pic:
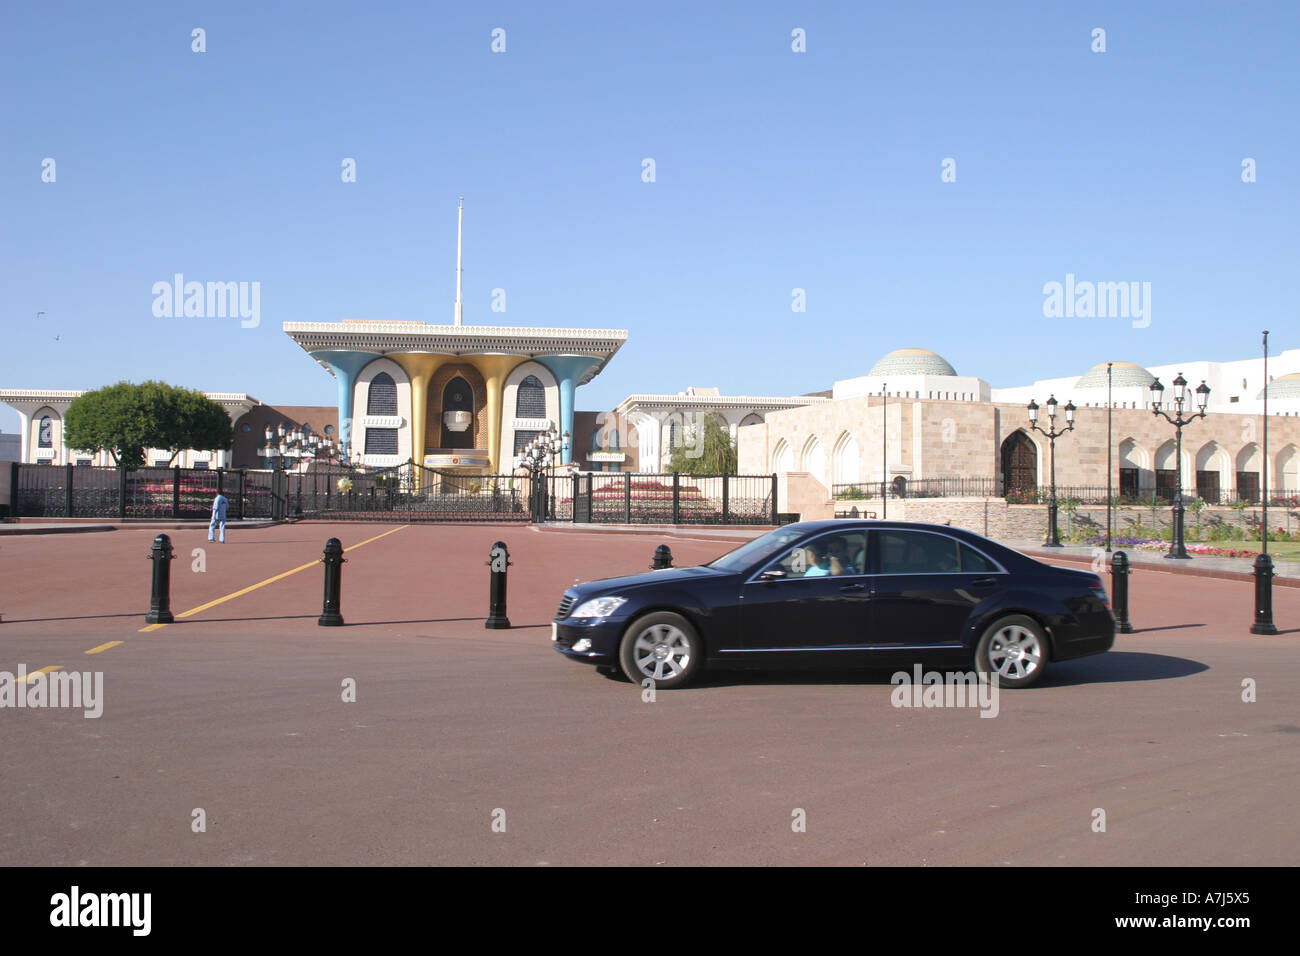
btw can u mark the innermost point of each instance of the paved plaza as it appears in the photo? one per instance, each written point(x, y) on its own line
point(474, 746)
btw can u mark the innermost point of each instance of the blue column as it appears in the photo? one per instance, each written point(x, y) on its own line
point(568, 370)
point(346, 366)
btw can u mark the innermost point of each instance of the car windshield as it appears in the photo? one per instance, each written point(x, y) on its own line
point(760, 549)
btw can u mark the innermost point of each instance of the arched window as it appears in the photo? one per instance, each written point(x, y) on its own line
point(381, 397)
point(530, 401)
point(45, 438)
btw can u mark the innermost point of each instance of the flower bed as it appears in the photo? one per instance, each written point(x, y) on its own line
point(1155, 544)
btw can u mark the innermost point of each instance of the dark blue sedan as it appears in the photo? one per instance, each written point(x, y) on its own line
point(842, 594)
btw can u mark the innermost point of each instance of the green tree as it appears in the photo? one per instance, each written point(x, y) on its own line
point(713, 453)
point(127, 419)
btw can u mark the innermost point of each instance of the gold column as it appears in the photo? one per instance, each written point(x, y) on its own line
point(420, 368)
point(494, 369)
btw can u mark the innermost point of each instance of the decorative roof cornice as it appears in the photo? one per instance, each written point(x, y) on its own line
point(721, 401)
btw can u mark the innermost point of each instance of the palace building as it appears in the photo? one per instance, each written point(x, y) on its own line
point(455, 397)
point(913, 419)
point(452, 396)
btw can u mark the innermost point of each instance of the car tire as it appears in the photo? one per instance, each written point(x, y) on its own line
point(662, 647)
point(1015, 649)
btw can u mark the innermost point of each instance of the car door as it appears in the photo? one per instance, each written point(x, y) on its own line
point(925, 586)
point(814, 597)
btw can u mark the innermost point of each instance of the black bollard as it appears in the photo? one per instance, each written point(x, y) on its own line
point(663, 558)
point(160, 597)
point(333, 561)
point(1263, 623)
point(1119, 572)
point(498, 561)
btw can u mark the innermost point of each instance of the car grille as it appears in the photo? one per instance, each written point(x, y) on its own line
point(566, 605)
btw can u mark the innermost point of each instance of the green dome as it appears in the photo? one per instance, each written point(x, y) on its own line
point(1122, 375)
point(1284, 386)
point(912, 362)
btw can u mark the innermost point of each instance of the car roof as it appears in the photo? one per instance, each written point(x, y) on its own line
point(824, 523)
point(829, 524)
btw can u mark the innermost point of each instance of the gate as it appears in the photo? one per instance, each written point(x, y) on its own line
point(408, 492)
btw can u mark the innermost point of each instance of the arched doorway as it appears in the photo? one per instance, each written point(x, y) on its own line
point(457, 397)
point(1019, 463)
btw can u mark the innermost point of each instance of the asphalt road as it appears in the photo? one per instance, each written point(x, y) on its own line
point(469, 746)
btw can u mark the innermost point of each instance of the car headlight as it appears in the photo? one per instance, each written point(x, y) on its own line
point(599, 607)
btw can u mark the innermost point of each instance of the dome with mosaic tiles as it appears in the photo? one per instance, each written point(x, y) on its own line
point(1284, 386)
point(912, 362)
point(1122, 375)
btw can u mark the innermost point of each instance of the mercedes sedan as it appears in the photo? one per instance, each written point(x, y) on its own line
point(842, 593)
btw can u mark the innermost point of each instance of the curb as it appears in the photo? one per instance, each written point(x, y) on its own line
point(697, 533)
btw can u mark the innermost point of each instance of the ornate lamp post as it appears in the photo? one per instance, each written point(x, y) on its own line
point(1176, 548)
point(1053, 535)
point(536, 458)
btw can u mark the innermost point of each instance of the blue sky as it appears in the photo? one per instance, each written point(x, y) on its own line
point(775, 170)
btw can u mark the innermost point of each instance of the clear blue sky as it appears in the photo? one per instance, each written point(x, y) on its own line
point(775, 170)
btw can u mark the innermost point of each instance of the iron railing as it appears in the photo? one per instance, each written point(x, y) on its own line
point(1080, 494)
point(666, 498)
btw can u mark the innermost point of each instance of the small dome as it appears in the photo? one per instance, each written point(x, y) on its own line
point(1122, 375)
point(1284, 386)
point(912, 362)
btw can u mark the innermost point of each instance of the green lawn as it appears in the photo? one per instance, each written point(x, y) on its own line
point(1282, 550)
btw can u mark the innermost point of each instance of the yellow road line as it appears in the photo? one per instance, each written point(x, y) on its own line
point(261, 584)
point(43, 670)
point(104, 647)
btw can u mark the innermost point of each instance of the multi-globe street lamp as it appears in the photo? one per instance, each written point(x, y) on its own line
point(536, 458)
point(1053, 535)
point(1177, 549)
point(286, 447)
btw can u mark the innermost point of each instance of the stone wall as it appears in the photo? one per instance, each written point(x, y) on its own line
point(995, 518)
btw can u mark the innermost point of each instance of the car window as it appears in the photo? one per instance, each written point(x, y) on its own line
point(918, 552)
point(975, 563)
point(830, 555)
point(751, 552)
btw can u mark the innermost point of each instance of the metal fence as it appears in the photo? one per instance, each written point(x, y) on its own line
point(1080, 494)
point(82, 491)
point(407, 492)
point(661, 498)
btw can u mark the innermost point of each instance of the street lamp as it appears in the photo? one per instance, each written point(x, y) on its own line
point(1176, 548)
point(536, 457)
point(1053, 535)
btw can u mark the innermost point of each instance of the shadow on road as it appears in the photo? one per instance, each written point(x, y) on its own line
point(1109, 668)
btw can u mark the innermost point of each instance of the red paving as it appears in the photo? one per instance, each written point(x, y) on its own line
point(418, 574)
point(421, 580)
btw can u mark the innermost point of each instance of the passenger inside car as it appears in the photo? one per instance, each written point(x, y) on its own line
point(818, 566)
